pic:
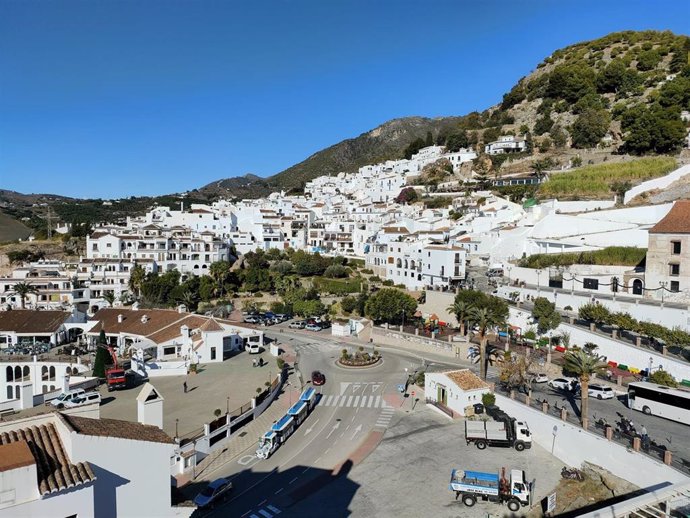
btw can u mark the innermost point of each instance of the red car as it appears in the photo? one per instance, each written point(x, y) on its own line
point(317, 378)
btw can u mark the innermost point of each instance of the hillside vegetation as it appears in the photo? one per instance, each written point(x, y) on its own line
point(611, 256)
point(11, 229)
point(603, 180)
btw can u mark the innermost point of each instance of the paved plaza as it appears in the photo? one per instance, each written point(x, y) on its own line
point(226, 385)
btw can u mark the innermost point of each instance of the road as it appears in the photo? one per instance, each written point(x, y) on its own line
point(355, 408)
point(669, 433)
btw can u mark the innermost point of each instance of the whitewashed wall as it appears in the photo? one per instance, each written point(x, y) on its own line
point(657, 183)
point(574, 446)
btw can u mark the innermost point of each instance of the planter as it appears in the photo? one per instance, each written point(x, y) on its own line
point(560, 348)
point(354, 363)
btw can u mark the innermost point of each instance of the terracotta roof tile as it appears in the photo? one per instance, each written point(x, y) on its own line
point(54, 469)
point(25, 321)
point(466, 379)
point(117, 429)
point(677, 221)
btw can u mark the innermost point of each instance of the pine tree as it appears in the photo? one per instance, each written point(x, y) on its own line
point(102, 356)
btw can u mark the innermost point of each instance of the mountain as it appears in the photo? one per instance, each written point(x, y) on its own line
point(593, 101)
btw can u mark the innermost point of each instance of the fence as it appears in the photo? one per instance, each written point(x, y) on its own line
point(569, 413)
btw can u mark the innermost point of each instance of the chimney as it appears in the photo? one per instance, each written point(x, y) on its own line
point(120, 318)
point(184, 331)
point(135, 306)
point(181, 308)
point(144, 319)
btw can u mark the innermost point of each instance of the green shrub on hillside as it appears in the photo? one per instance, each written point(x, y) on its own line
point(611, 256)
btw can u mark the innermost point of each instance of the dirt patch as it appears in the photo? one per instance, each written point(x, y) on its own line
point(599, 486)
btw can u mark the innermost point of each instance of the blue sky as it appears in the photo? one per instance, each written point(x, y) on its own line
point(118, 98)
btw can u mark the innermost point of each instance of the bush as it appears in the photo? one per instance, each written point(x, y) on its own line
point(488, 399)
point(335, 271)
point(375, 278)
point(595, 313)
point(387, 282)
point(337, 286)
point(420, 380)
point(281, 363)
point(367, 271)
point(611, 256)
point(661, 377)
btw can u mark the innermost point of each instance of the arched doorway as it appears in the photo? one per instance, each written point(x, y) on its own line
point(637, 287)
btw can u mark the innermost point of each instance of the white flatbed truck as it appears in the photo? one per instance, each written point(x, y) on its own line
point(471, 486)
point(508, 433)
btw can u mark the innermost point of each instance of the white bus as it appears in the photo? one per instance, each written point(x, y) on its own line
point(666, 402)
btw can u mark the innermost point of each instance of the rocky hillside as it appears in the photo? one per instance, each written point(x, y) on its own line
point(622, 93)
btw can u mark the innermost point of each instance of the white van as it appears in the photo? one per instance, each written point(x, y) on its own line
point(252, 348)
point(85, 399)
point(67, 397)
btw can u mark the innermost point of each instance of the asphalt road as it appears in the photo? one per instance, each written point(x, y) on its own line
point(355, 408)
point(669, 433)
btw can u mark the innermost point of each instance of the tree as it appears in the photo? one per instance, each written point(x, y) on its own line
point(543, 125)
point(102, 356)
point(414, 147)
point(485, 318)
point(136, 279)
point(652, 128)
point(462, 310)
point(546, 314)
point(348, 304)
point(558, 135)
point(219, 272)
point(256, 279)
point(109, 297)
point(335, 271)
point(583, 365)
point(282, 267)
point(661, 377)
point(457, 141)
point(515, 374)
point(590, 127)
point(308, 264)
point(407, 195)
point(24, 289)
point(429, 139)
point(309, 308)
point(594, 313)
point(390, 305)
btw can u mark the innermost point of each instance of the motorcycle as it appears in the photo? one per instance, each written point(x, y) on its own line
point(572, 474)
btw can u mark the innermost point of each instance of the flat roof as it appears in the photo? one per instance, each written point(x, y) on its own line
point(15, 455)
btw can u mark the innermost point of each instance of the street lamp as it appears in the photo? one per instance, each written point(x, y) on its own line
point(649, 372)
point(663, 289)
point(508, 269)
point(538, 284)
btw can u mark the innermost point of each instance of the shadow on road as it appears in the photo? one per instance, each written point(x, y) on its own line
point(273, 493)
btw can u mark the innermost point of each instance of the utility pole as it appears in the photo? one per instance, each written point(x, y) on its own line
point(49, 223)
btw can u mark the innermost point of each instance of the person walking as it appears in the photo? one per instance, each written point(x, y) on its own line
point(184, 386)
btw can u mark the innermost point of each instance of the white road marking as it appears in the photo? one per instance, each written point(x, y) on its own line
point(278, 491)
point(364, 401)
point(356, 403)
point(263, 502)
point(265, 513)
point(335, 427)
point(293, 480)
point(357, 430)
point(274, 509)
point(253, 516)
point(371, 401)
point(378, 401)
point(328, 400)
point(309, 430)
point(343, 387)
point(349, 400)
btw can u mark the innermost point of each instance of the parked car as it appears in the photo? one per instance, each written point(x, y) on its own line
point(324, 324)
point(213, 493)
point(67, 397)
point(297, 324)
point(312, 327)
point(252, 320)
point(85, 399)
point(540, 378)
point(562, 383)
point(317, 378)
point(601, 392)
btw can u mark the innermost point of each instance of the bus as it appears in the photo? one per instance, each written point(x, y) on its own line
point(652, 399)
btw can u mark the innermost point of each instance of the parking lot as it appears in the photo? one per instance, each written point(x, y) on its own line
point(409, 472)
point(226, 385)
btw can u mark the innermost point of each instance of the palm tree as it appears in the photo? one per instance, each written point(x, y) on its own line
point(486, 318)
point(584, 365)
point(136, 279)
point(109, 297)
point(462, 311)
point(189, 299)
point(219, 272)
point(23, 289)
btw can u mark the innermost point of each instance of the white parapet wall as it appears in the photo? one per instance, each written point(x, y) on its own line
point(656, 183)
point(573, 446)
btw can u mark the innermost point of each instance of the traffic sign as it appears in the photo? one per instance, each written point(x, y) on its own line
point(551, 503)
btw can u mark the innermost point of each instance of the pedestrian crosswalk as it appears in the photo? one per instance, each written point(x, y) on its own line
point(385, 417)
point(306, 349)
point(266, 512)
point(350, 401)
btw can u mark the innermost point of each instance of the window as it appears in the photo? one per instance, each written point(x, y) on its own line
point(675, 286)
point(675, 245)
point(674, 269)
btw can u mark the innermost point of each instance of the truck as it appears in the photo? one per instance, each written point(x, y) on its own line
point(116, 377)
point(471, 486)
point(508, 433)
point(277, 435)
